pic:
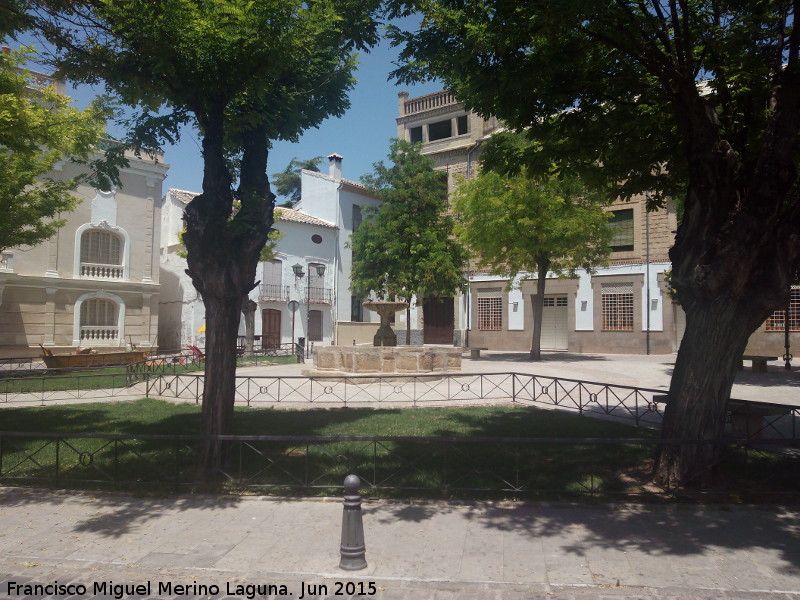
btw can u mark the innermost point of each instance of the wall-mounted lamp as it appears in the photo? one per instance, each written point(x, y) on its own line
point(298, 270)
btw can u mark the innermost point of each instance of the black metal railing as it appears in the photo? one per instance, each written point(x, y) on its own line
point(639, 406)
point(318, 295)
point(429, 466)
point(273, 292)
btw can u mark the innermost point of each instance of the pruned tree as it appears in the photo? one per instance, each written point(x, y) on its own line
point(406, 247)
point(698, 95)
point(244, 74)
point(516, 224)
point(38, 128)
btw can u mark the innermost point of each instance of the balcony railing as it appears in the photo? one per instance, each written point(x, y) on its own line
point(429, 102)
point(273, 292)
point(318, 295)
point(99, 335)
point(99, 271)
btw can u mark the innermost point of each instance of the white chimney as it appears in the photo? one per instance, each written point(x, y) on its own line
point(335, 168)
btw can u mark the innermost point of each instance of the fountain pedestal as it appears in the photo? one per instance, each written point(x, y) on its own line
point(385, 336)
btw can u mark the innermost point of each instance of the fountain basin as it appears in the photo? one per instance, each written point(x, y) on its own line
point(342, 361)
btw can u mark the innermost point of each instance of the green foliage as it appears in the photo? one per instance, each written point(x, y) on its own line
point(406, 247)
point(287, 182)
point(514, 223)
point(38, 128)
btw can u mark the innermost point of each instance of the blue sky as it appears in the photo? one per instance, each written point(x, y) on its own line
point(361, 136)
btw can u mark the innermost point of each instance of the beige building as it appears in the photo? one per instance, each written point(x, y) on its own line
point(95, 283)
point(623, 307)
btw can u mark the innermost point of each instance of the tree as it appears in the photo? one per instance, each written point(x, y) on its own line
point(697, 95)
point(244, 74)
point(38, 128)
point(406, 247)
point(515, 224)
point(287, 182)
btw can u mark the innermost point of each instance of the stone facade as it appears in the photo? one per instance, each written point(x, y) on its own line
point(96, 281)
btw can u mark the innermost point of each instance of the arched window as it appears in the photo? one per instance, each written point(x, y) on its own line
point(101, 255)
point(99, 321)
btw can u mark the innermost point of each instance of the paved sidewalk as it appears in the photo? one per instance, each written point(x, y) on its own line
point(425, 550)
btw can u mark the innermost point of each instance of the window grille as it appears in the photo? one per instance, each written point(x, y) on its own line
point(777, 320)
point(98, 312)
point(100, 247)
point(621, 224)
point(617, 306)
point(490, 309)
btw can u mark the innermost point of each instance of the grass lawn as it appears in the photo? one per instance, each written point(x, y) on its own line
point(14, 382)
point(405, 467)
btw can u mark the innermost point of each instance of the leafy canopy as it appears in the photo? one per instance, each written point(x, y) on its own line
point(39, 128)
point(517, 224)
point(406, 247)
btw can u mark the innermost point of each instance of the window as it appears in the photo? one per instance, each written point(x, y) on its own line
point(617, 306)
point(621, 224)
point(272, 288)
point(490, 309)
point(357, 217)
point(356, 309)
point(440, 130)
point(98, 312)
point(101, 247)
point(316, 238)
point(777, 320)
point(315, 326)
point(415, 134)
point(461, 123)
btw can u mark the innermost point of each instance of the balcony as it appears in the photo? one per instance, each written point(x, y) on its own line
point(99, 335)
point(273, 292)
point(100, 271)
point(318, 295)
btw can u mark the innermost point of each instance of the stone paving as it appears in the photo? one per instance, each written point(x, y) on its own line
point(414, 550)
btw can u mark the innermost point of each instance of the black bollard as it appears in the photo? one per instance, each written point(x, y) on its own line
point(352, 548)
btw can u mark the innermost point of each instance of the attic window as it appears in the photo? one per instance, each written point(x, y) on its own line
point(316, 238)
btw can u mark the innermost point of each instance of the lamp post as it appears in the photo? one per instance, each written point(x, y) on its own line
point(299, 274)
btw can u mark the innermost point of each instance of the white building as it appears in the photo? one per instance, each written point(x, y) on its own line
point(310, 271)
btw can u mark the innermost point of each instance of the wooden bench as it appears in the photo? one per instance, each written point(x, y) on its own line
point(475, 352)
point(759, 362)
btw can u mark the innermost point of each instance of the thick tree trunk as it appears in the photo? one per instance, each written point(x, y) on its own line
point(223, 251)
point(542, 266)
point(705, 368)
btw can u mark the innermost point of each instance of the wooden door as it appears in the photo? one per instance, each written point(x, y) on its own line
point(438, 320)
point(270, 328)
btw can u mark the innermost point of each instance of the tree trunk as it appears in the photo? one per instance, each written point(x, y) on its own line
point(542, 266)
point(223, 252)
point(249, 311)
point(408, 323)
point(700, 387)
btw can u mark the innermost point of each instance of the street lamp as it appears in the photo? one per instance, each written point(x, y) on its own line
point(299, 273)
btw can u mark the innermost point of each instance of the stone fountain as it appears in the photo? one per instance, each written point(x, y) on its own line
point(385, 336)
point(384, 356)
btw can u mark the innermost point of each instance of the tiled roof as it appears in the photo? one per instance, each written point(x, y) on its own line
point(295, 216)
point(287, 214)
point(348, 182)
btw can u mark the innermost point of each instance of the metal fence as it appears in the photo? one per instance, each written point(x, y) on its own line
point(636, 405)
point(426, 466)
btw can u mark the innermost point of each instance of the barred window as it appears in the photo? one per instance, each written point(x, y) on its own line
point(490, 309)
point(98, 312)
point(621, 224)
point(777, 320)
point(617, 306)
point(101, 248)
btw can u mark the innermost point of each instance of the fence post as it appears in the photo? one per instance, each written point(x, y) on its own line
point(352, 548)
